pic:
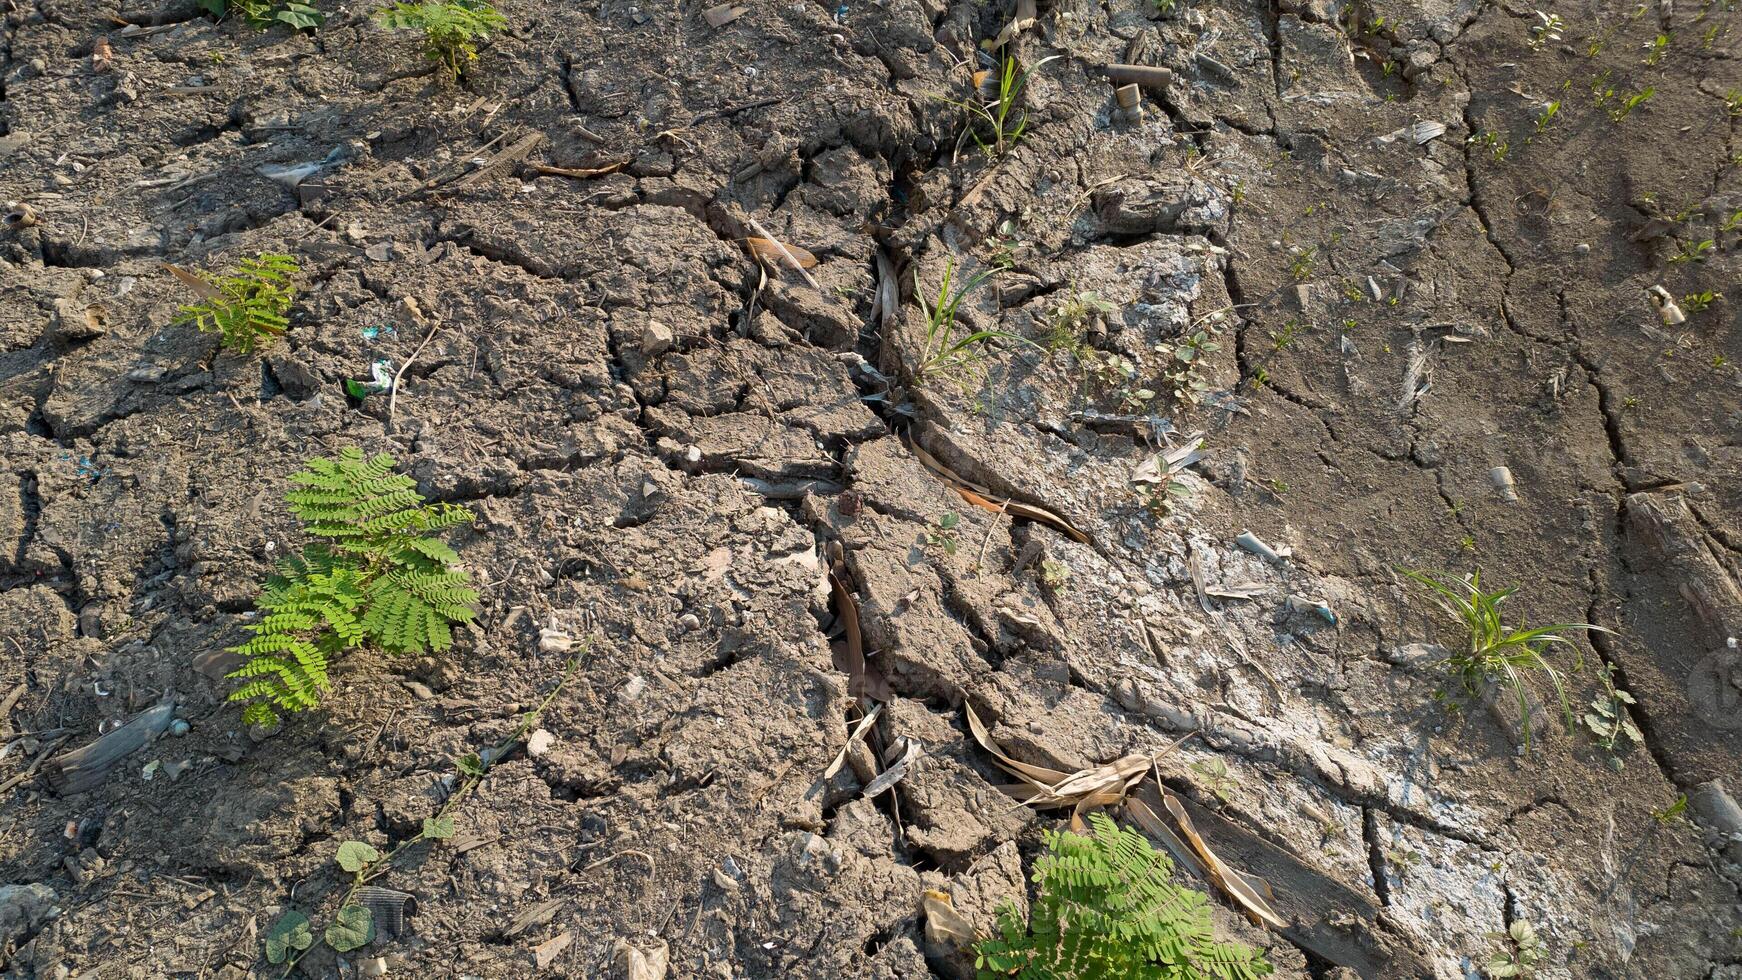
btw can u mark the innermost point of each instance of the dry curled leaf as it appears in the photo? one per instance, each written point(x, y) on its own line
point(102, 56)
point(943, 924)
point(767, 252)
point(192, 281)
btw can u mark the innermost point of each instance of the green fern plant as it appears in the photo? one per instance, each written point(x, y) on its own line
point(1108, 908)
point(374, 577)
point(247, 308)
point(449, 27)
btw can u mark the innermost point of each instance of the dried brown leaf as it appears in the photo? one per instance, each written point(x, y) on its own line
point(192, 281)
point(723, 14)
point(767, 251)
point(102, 56)
point(943, 924)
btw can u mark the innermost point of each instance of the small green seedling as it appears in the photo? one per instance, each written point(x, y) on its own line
point(375, 577)
point(1281, 340)
point(1185, 356)
point(1675, 811)
point(1217, 777)
point(1521, 952)
point(1656, 48)
point(1733, 102)
point(265, 13)
point(948, 351)
point(997, 120)
point(1629, 103)
point(1546, 31)
point(1067, 322)
point(942, 537)
point(1693, 252)
point(1055, 575)
point(1300, 267)
point(451, 28)
point(247, 308)
point(1701, 301)
point(1609, 721)
point(353, 926)
point(1106, 906)
point(1493, 652)
point(1549, 111)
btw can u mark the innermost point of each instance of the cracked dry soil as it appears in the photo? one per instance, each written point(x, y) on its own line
point(660, 448)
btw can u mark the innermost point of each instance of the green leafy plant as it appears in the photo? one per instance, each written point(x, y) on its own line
point(265, 13)
point(1673, 812)
point(995, 117)
point(947, 350)
point(1066, 323)
point(1629, 103)
point(1656, 48)
point(942, 536)
point(1054, 574)
point(450, 28)
point(1184, 357)
point(1281, 340)
point(1693, 252)
point(247, 308)
point(1216, 775)
point(1300, 267)
point(375, 577)
point(1547, 30)
point(291, 937)
point(1522, 951)
point(1494, 652)
point(1608, 720)
point(1107, 907)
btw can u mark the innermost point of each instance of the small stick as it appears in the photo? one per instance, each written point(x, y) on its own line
point(393, 395)
point(651, 863)
point(1003, 511)
point(41, 757)
point(757, 227)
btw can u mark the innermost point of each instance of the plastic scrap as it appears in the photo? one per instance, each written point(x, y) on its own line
point(1294, 603)
point(1251, 543)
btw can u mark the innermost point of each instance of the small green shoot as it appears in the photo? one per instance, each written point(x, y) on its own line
point(451, 28)
point(265, 13)
point(1631, 102)
point(1055, 575)
point(1609, 721)
point(1656, 48)
point(1675, 811)
point(1521, 952)
point(1216, 776)
point(947, 351)
point(1300, 267)
point(1693, 252)
point(1546, 31)
point(1185, 356)
point(1495, 652)
point(247, 308)
point(1700, 302)
point(1066, 323)
point(353, 926)
point(942, 537)
point(997, 120)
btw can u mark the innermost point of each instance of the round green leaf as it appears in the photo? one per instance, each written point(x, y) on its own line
point(354, 855)
point(291, 931)
point(438, 828)
point(353, 928)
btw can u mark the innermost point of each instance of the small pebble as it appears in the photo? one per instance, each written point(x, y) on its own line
point(688, 622)
point(178, 727)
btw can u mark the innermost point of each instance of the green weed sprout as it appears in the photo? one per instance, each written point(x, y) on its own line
point(1000, 115)
point(1107, 907)
point(1495, 652)
point(947, 350)
point(247, 308)
point(450, 28)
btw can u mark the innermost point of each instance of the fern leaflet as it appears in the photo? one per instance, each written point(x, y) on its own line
point(1108, 908)
point(372, 578)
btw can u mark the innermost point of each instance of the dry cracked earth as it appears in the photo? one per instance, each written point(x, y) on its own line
point(1410, 277)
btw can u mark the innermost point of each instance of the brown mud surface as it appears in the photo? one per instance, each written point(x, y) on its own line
point(660, 449)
